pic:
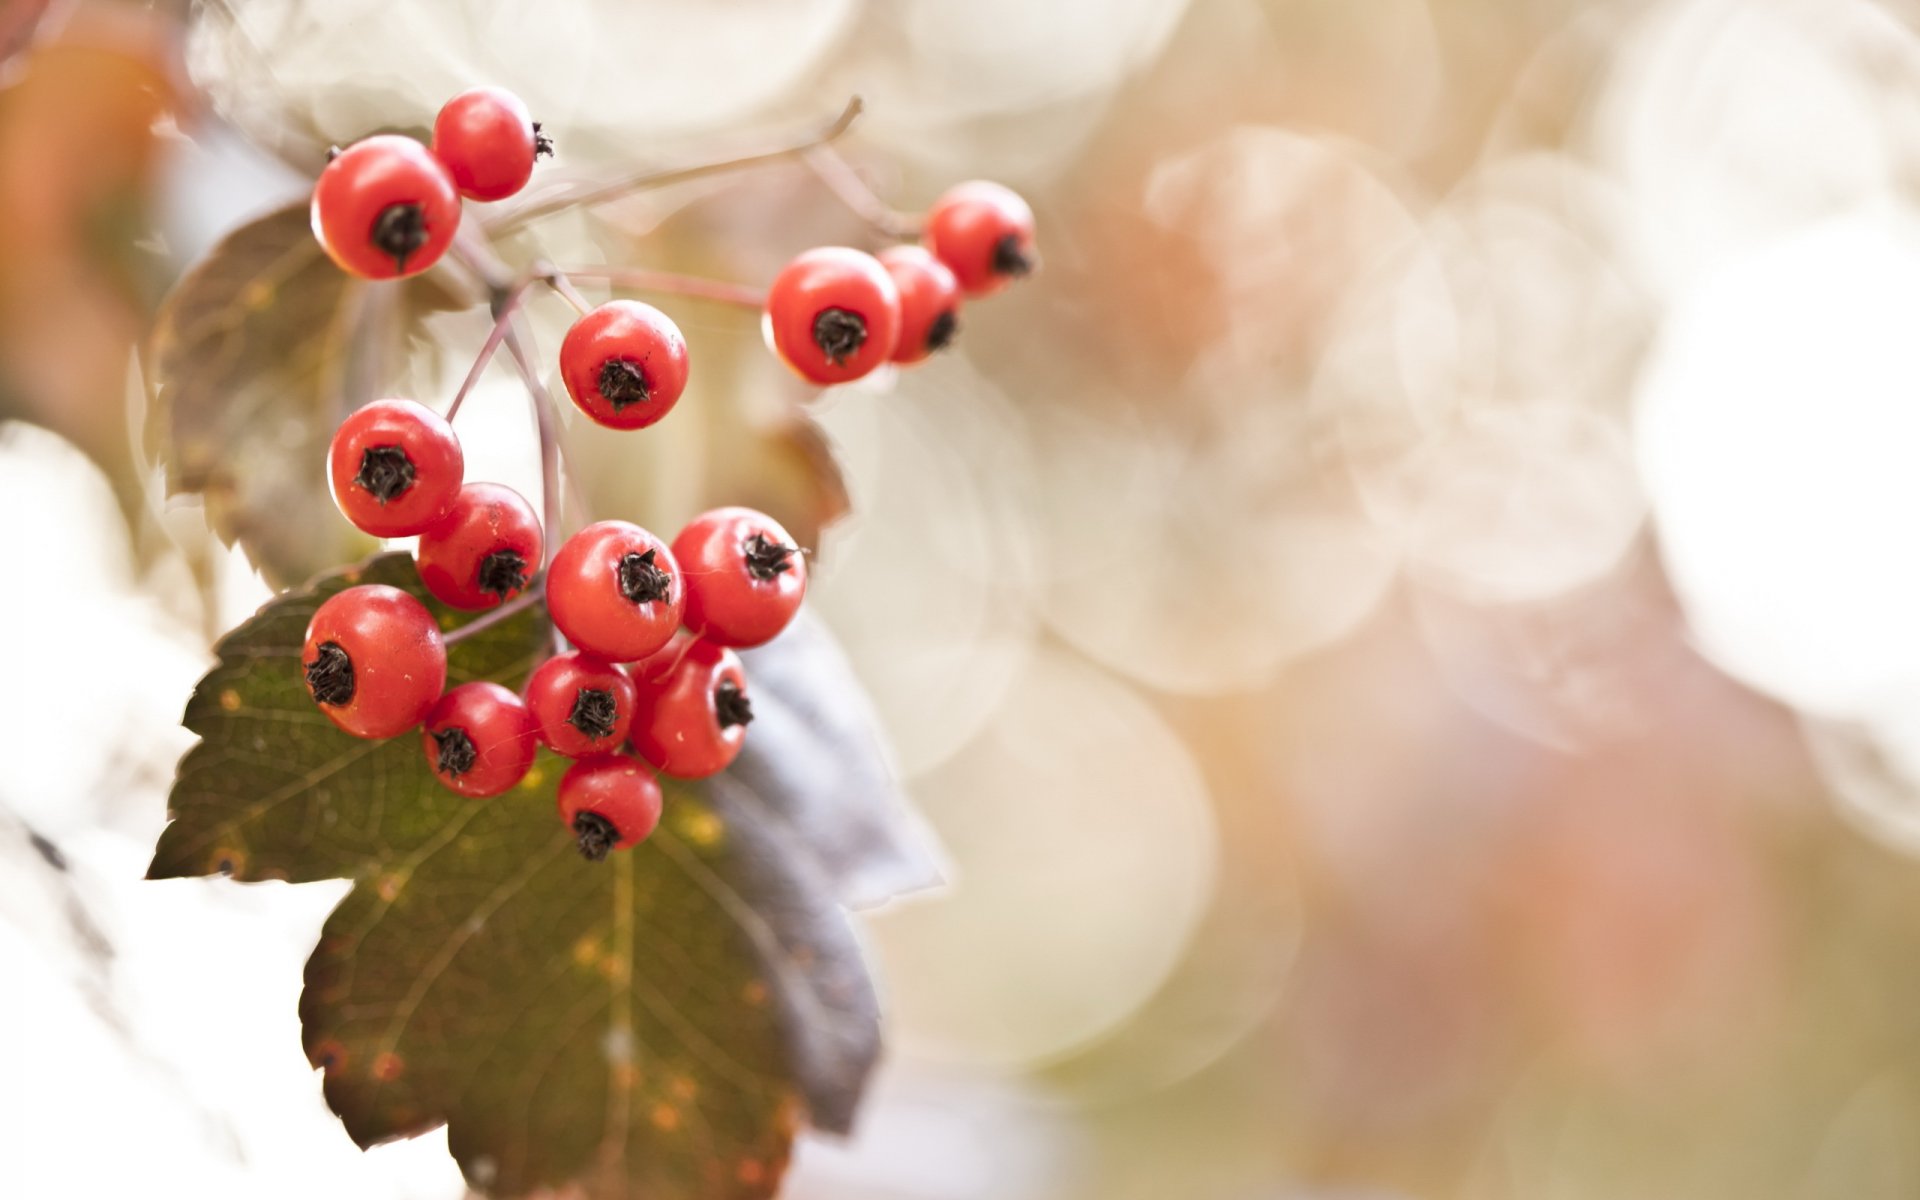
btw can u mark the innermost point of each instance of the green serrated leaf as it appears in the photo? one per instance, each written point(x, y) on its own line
point(655, 1025)
point(254, 359)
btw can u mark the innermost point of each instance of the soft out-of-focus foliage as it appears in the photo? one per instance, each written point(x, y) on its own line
point(1405, 627)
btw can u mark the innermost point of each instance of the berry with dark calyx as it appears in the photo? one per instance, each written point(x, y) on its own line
point(385, 207)
point(692, 723)
point(395, 466)
point(984, 232)
point(480, 739)
point(582, 704)
point(483, 551)
point(745, 577)
point(609, 802)
point(833, 314)
point(374, 660)
point(615, 590)
point(488, 141)
point(929, 301)
point(624, 364)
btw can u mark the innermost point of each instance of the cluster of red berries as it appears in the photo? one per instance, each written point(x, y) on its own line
point(388, 207)
point(653, 682)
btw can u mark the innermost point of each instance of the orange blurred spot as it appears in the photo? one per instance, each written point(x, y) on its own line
point(388, 1067)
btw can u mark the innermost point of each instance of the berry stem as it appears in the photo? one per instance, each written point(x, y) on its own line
point(504, 306)
point(645, 180)
point(505, 612)
point(667, 283)
point(859, 197)
point(549, 442)
point(563, 287)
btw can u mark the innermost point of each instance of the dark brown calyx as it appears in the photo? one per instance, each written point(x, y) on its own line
point(623, 384)
point(502, 573)
point(731, 706)
point(641, 581)
point(765, 557)
point(594, 713)
point(330, 675)
point(839, 334)
point(1011, 258)
point(398, 231)
point(454, 751)
point(542, 144)
point(595, 836)
point(940, 333)
point(385, 471)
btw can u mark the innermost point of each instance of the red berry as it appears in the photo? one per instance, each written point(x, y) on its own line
point(483, 550)
point(385, 207)
point(611, 802)
point(745, 577)
point(582, 704)
point(374, 660)
point(929, 301)
point(985, 233)
point(480, 739)
point(624, 364)
point(488, 141)
point(395, 466)
point(692, 723)
point(615, 589)
point(834, 314)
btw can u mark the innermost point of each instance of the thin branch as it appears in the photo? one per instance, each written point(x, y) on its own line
point(549, 442)
point(506, 612)
point(504, 309)
point(563, 287)
point(645, 180)
point(851, 190)
point(665, 282)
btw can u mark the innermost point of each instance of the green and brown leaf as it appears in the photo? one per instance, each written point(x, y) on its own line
point(254, 359)
point(656, 1025)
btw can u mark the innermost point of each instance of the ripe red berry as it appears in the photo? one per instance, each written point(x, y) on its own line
point(488, 141)
point(374, 660)
point(611, 802)
point(395, 466)
point(929, 301)
point(385, 207)
point(615, 590)
point(833, 314)
point(745, 577)
point(985, 233)
point(624, 364)
point(480, 739)
point(582, 704)
point(692, 723)
point(483, 550)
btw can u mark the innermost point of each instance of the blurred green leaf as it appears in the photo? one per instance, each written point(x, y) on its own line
point(254, 359)
point(655, 1025)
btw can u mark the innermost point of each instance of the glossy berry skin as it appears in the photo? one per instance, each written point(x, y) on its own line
point(745, 577)
point(483, 551)
point(479, 739)
point(385, 208)
point(395, 467)
point(692, 723)
point(624, 364)
point(610, 802)
point(984, 232)
point(374, 660)
point(615, 590)
point(488, 142)
point(833, 314)
point(582, 704)
point(929, 301)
